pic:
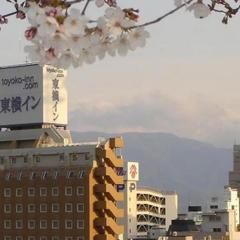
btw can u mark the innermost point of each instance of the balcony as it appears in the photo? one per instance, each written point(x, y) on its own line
point(116, 142)
point(104, 237)
point(109, 224)
point(110, 208)
point(110, 175)
point(110, 157)
point(109, 191)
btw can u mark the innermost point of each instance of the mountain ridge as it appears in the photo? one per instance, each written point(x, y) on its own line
point(192, 168)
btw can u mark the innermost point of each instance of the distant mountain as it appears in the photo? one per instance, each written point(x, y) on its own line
point(195, 170)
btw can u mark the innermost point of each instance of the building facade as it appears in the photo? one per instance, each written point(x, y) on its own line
point(226, 200)
point(146, 207)
point(51, 188)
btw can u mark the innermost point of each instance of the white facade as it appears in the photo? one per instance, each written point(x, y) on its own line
point(227, 200)
point(220, 222)
point(146, 207)
point(32, 95)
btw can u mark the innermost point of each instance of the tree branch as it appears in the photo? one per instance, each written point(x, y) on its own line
point(85, 7)
point(162, 17)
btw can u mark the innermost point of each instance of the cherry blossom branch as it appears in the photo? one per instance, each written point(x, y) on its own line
point(85, 7)
point(162, 17)
point(9, 14)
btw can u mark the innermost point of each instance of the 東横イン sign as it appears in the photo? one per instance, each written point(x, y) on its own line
point(31, 94)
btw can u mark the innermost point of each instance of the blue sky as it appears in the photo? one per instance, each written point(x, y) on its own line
point(185, 81)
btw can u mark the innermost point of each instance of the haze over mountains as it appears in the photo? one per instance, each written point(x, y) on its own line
point(195, 170)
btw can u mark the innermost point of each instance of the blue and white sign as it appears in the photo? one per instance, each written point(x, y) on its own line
point(31, 94)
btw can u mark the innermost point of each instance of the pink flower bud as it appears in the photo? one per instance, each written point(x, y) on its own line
point(30, 33)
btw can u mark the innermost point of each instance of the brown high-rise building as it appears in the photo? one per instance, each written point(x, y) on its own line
point(234, 176)
point(51, 189)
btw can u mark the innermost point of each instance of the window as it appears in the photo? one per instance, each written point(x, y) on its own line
point(55, 238)
point(43, 192)
point(55, 207)
point(31, 192)
point(38, 159)
point(68, 207)
point(44, 175)
point(80, 207)
point(7, 224)
point(19, 238)
point(43, 238)
point(33, 176)
point(19, 176)
point(55, 224)
point(7, 176)
point(7, 238)
point(68, 191)
point(31, 208)
point(55, 191)
point(61, 157)
point(80, 224)
point(43, 224)
point(19, 192)
point(7, 208)
point(55, 174)
point(25, 160)
point(70, 174)
point(7, 192)
point(43, 207)
point(81, 174)
point(217, 229)
point(68, 224)
point(19, 224)
point(214, 218)
point(19, 208)
point(13, 160)
point(31, 224)
point(31, 238)
point(80, 191)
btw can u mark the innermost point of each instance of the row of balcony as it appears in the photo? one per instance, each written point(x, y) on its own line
point(106, 192)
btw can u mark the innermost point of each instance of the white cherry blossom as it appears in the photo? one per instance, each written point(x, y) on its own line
point(200, 10)
point(75, 24)
point(99, 3)
point(47, 26)
point(137, 38)
point(122, 45)
point(34, 13)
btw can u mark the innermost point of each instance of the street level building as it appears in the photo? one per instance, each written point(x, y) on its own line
point(51, 188)
point(146, 207)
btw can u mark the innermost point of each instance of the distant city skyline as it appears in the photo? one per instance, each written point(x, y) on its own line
point(185, 81)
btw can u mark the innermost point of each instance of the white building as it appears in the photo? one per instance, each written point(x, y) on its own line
point(219, 224)
point(146, 207)
point(227, 200)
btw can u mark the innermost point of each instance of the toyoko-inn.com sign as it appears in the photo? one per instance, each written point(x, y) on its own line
point(31, 94)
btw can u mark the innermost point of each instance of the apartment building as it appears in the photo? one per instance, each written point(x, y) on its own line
point(50, 187)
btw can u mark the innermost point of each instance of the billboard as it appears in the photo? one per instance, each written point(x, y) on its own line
point(133, 171)
point(31, 94)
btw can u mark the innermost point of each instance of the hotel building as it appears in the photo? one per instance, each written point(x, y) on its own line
point(51, 188)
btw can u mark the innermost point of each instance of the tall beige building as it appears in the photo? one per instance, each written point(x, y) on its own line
point(145, 207)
